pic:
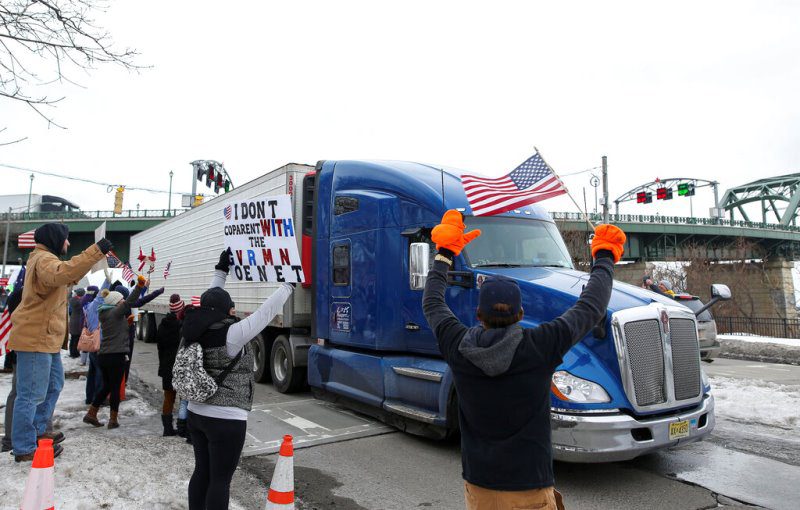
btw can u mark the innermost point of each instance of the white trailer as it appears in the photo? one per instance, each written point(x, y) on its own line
point(193, 241)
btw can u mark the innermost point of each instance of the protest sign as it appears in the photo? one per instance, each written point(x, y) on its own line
point(260, 233)
point(100, 233)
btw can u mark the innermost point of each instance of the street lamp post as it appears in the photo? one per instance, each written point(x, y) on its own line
point(30, 191)
point(169, 206)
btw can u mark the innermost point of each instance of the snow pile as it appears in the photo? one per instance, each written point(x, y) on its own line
point(743, 337)
point(759, 348)
point(760, 402)
point(132, 467)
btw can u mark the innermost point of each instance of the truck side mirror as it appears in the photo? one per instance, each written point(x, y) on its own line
point(418, 265)
point(720, 291)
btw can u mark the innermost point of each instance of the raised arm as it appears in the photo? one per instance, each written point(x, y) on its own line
point(221, 270)
point(560, 334)
point(450, 240)
point(245, 330)
point(56, 273)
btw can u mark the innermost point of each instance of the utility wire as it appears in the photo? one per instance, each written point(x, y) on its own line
point(580, 172)
point(88, 181)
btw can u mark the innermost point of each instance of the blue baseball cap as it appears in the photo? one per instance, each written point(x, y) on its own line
point(499, 289)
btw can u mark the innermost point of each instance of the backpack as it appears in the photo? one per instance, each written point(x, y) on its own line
point(190, 379)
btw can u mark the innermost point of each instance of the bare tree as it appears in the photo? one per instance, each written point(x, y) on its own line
point(44, 41)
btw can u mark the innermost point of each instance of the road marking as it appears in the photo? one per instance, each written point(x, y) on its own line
point(302, 424)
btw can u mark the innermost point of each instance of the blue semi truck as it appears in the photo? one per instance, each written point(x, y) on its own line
point(356, 334)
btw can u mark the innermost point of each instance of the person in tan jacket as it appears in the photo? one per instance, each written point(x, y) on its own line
point(38, 328)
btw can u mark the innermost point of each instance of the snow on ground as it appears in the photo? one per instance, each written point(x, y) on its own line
point(791, 342)
point(132, 467)
point(761, 402)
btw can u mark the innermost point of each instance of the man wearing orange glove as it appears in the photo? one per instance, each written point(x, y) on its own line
point(503, 371)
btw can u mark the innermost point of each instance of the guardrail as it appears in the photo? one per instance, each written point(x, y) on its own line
point(673, 220)
point(775, 327)
point(91, 215)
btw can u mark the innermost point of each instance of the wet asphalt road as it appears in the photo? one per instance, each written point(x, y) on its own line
point(386, 469)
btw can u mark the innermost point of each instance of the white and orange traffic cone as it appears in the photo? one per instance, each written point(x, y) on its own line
point(40, 489)
point(281, 490)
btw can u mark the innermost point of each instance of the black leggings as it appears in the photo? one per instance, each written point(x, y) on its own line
point(217, 446)
point(112, 367)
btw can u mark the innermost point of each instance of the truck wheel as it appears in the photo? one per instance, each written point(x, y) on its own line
point(260, 360)
point(148, 321)
point(139, 330)
point(285, 377)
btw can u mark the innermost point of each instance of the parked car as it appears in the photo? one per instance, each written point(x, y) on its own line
point(706, 327)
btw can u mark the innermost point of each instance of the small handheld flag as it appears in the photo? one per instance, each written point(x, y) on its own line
point(166, 269)
point(142, 259)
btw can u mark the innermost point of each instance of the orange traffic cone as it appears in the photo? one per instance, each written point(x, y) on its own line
point(39, 491)
point(281, 490)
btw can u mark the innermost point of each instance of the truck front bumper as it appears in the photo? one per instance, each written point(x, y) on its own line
point(618, 437)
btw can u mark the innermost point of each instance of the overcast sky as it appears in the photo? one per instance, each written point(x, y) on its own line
point(695, 89)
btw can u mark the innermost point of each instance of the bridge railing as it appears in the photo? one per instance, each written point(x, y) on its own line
point(672, 220)
point(91, 215)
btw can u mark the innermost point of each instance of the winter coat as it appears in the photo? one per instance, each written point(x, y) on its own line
point(114, 325)
point(40, 322)
point(503, 377)
point(168, 337)
point(75, 316)
point(209, 328)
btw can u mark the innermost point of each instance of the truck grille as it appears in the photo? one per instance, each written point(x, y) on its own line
point(646, 354)
point(685, 353)
point(659, 356)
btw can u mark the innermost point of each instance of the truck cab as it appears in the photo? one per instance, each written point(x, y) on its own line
point(631, 386)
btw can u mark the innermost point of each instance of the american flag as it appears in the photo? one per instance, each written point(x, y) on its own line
point(26, 240)
point(196, 301)
point(112, 259)
point(531, 182)
point(166, 269)
point(5, 329)
point(127, 273)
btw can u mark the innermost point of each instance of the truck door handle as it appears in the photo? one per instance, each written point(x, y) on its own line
point(412, 327)
point(464, 279)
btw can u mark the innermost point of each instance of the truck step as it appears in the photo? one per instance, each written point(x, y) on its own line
point(418, 373)
point(410, 412)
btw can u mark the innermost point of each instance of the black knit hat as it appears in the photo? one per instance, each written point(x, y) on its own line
point(53, 236)
point(216, 298)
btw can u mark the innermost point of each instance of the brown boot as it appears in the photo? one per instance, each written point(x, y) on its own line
point(112, 422)
point(91, 417)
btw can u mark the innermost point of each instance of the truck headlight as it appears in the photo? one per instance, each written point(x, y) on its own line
point(566, 386)
point(704, 378)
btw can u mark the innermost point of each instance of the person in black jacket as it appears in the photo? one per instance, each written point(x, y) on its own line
point(168, 337)
point(503, 371)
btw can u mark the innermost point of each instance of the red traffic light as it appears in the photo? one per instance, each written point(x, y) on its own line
point(644, 197)
point(664, 193)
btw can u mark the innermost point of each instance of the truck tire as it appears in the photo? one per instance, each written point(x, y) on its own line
point(285, 377)
point(139, 330)
point(148, 327)
point(260, 360)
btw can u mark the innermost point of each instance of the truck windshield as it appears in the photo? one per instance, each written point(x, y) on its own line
point(516, 242)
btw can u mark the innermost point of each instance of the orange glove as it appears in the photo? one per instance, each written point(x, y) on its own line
point(449, 234)
point(609, 237)
point(140, 281)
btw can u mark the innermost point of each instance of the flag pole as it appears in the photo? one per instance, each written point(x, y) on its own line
point(585, 216)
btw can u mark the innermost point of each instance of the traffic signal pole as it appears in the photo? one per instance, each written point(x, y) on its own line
point(194, 185)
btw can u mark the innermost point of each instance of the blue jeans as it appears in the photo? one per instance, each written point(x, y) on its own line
point(40, 378)
point(94, 378)
point(183, 410)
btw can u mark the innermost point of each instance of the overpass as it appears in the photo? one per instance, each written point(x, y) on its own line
point(650, 238)
point(82, 224)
